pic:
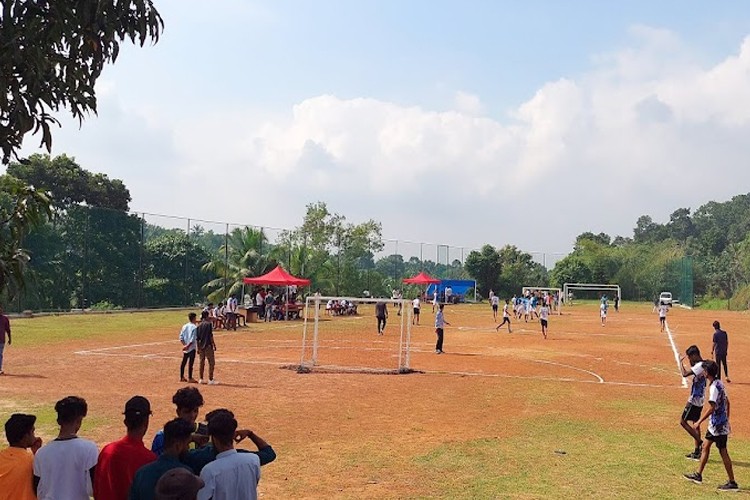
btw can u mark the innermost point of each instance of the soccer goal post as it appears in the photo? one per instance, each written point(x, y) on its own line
point(340, 334)
point(541, 293)
point(569, 288)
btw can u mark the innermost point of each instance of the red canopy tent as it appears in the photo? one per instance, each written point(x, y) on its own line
point(421, 279)
point(277, 277)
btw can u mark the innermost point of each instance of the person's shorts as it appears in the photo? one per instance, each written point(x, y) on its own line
point(692, 413)
point(720, 441)
point(416, 311)
point(544, 322)
point(662, 319)
point(494, 307)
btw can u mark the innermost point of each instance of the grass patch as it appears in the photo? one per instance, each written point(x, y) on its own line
point(31, 332)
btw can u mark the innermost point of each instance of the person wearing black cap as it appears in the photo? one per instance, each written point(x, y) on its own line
point(16, 463)
point(119, 461)
point(178, 434)
point(178, 484)
point(62, 467)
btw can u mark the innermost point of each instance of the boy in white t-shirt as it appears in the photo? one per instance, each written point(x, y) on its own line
point(543, 318)
point(506, 316)
point(495, 301)
point(663, 309)
point(694, 406)
point(718, 428)
point(417, 307)
point(64, 468)
point(603, 312)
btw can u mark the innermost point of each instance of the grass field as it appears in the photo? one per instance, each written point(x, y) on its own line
point(488, 419)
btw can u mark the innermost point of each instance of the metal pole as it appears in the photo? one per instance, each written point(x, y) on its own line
point(421, 261)
point(304, 334)
point(140, 264)
point(315, 331)
point(226, 258)
point(401, 338)
point(187, 248)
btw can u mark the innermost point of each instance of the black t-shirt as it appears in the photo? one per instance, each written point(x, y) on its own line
point(380, 309)
point(205, 334)
point(722, 342)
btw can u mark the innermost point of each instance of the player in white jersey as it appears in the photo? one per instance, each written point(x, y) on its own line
point(543, 318)
point(495, 301)
point(506, 317)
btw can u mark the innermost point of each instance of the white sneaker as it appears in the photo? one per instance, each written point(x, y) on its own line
point(201, 381)
point(213, 382)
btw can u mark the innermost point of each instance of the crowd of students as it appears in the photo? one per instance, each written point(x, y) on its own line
point(187, 459)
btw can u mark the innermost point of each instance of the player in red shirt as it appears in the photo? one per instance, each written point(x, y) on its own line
point(119, 461)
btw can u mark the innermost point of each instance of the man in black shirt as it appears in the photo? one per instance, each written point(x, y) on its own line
point(381, 312)
point(206, 348)
point(720, 348)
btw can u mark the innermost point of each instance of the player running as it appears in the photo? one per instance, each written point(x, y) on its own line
point(663, 309)
point(495, 301)
point(543, 317)
point(603, 312)
point(506, 317)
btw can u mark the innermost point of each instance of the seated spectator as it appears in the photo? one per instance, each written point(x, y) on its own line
point(187, 401)
point(177, 435)
point(178, 484)
point(199, 458)
point(16, 463)
point(120, 460)
point(64, 468)
point(232, 474)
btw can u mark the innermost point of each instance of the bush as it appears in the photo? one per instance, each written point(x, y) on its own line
point(105, 305)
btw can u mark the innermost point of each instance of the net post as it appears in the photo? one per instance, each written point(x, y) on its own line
point(401, 338)
point(304, 334)
point(315, 331)
point(407, 347)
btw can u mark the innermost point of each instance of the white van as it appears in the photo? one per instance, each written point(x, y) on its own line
point(666, 298)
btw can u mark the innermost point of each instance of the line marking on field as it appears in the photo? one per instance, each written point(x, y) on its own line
point(676, 354)
point(601, 380)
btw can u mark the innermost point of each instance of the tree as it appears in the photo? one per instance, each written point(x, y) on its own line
point(70, 184)
point(172, 270)
point(52, 55)
point(485, 267)
point(601, 238)
point(21, 208)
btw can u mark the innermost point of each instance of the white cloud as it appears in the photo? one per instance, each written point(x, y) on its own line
point(645, 130)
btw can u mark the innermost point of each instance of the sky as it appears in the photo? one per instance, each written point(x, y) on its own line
point(451, 122)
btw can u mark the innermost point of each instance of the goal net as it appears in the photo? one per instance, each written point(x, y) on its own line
point(589, 290)
point(542, 293)
point(340, 334)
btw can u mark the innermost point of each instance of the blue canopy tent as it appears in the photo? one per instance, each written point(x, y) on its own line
point(458, 289)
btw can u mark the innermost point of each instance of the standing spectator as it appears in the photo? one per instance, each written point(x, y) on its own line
point(176, 438)
point(188, 402)
point(434, 298)
point(178, 484)
point(206, 349)
point(4, 329)
point(269, 300)
point(495, 301)
point(720, 349)
point(16, 463)
point(231, 313)
point(120, 460)
point(417, 308)
point(718, 428)
point(64, 468)
point(381, 313)
point(439, 325)
point(260, 303)
point(617, 303)
point(448, 295)
point(232, 474)
point(189, 340)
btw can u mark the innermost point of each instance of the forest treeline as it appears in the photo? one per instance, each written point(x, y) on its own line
point(92, 252)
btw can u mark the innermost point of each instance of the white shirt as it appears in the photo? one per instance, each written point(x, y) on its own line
point(698, 388)
point(415, 303)
point(232, 476)
point(505, 311)
point(544, 313)
point(63, 468)
point(663, 311)
point(495, 300)
point(258, 299)
point(188, 336)
point(603, 309)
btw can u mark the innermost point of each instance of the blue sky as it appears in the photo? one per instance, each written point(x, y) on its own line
point(450, 122)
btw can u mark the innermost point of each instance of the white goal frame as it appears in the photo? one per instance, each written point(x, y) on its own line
point(314, 302)
point(567, 287)
point(557, 311)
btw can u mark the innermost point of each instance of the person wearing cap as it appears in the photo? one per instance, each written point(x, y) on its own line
point(199, 458)
point(178, 484)
point(65, 467)
point(16, 463)
point(231, 475)
point(177, 436)
point(120, 460)
point(188, 402)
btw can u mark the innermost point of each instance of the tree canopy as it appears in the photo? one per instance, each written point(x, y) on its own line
point(53, 52)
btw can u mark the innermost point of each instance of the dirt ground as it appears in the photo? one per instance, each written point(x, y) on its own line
point(361, 435)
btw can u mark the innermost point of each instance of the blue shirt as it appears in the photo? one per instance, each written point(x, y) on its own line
point(722, 342)
point(231, 476)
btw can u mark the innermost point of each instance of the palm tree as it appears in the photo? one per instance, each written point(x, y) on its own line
point(245, 253)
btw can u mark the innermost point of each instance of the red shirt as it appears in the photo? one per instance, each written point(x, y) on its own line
point(116, 468)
